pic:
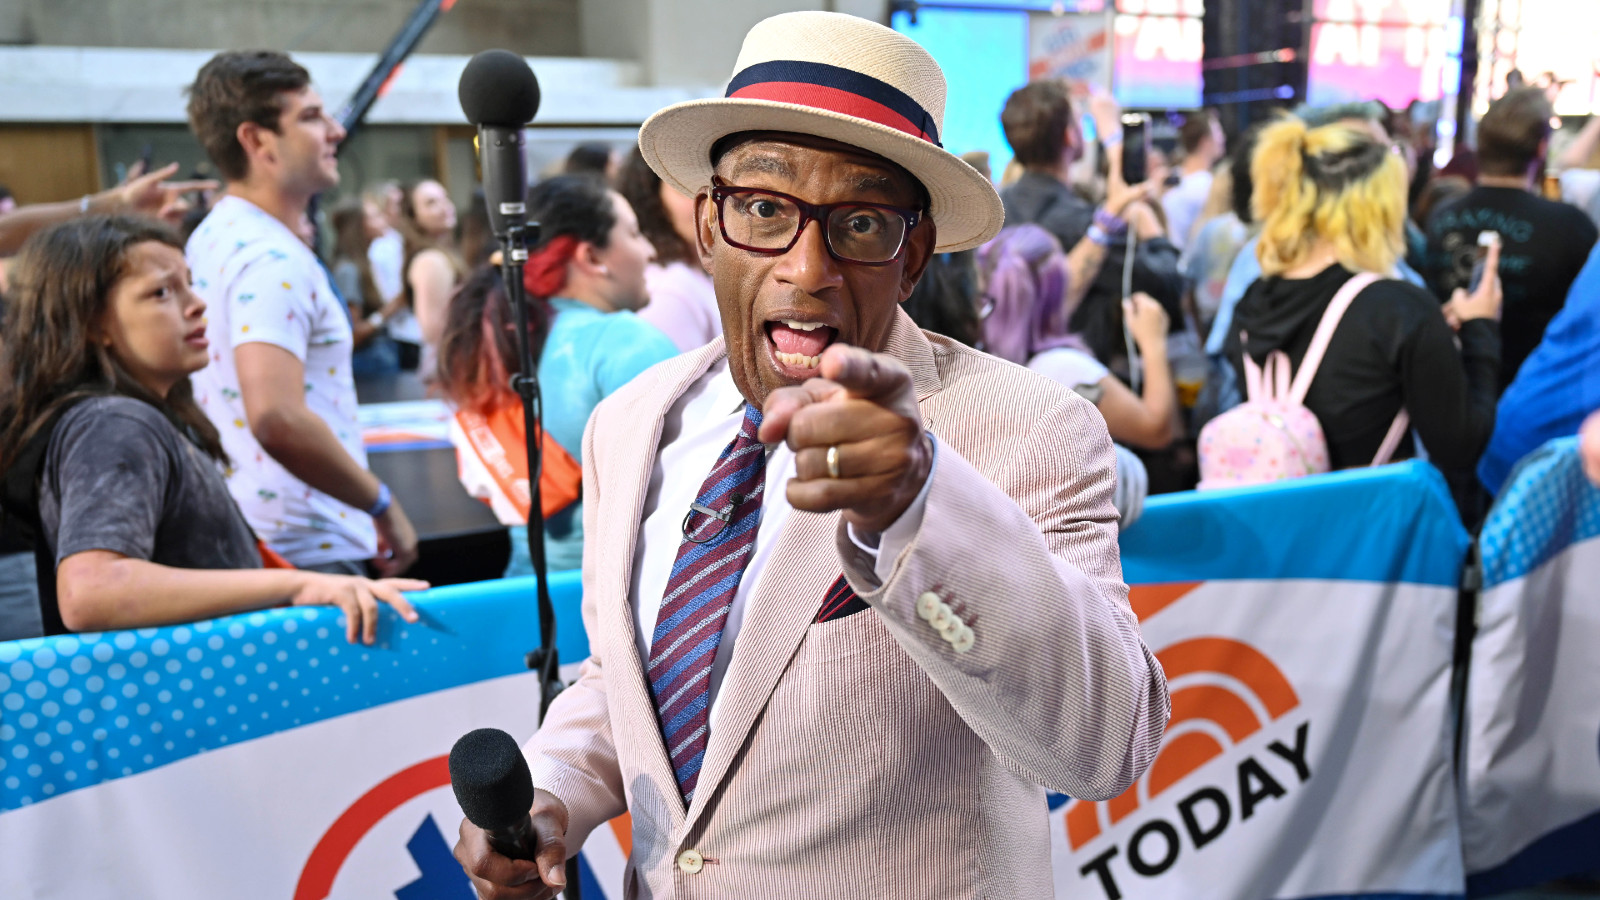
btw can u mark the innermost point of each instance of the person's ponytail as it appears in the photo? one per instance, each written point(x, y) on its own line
point(546, 271)
point(1336, 183)
point(1283, 200)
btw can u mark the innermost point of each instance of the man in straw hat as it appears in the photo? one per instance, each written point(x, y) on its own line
point(852, 590)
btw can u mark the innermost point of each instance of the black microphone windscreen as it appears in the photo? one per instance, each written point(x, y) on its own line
point(498, 88)
point(490, 778)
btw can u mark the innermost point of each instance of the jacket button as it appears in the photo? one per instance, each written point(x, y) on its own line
point(927, 604)
point(952, 629)
point(964, 641)
point(691, 862)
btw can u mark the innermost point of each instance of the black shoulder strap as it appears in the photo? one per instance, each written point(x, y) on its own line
point(19, 500)
point(19, 491)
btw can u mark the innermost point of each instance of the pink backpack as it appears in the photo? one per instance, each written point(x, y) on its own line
point(1272, 436)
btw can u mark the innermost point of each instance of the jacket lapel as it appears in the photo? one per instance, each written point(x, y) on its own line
point(804, 565)
point(632, 450)
point(908, 344)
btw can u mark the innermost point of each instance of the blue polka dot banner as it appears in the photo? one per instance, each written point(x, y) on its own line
point(1531, 742)
point(76, 711)
point(1306, 631)
point(1546, 506)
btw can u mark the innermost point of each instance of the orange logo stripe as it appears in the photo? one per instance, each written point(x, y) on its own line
point(1149, 599)
point(1120, 806)
point(622, 827)
point(1184, 753)
point(1180, 756)
point(1083, 822)
point(1239, 660)
point(1217, 704)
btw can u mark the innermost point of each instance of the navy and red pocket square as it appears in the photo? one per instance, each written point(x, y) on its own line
point(840, 601)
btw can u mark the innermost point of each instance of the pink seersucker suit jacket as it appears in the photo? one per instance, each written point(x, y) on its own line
point(872, 755)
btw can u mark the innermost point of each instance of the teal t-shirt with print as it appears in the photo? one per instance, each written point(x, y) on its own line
point(588, 355)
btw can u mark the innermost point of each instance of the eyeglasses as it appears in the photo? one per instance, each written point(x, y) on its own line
point(871, 234)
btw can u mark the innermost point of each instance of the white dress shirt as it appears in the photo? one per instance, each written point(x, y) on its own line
point(698, 427)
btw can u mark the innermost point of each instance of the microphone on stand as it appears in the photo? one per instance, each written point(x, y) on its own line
point(500, 95)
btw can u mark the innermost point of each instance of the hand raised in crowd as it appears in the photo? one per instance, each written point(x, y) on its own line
point(397, 541)
point(151, 194)
point(358, 598)
point(1589, 447)
point(1483, 303)
point(497, 877)
point(863, 404)
point(1147, 321)
point(1107, 116)
point(1119, 194)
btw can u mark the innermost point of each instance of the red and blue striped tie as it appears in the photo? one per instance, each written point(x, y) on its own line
point(719, 536)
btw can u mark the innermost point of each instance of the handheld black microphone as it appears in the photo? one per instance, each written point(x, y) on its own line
point(500, 95)
point(491, 782)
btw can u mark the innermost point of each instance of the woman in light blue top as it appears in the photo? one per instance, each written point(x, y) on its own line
point(584, 282)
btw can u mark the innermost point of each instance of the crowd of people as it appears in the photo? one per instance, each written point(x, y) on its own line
point(1160, 303)
point(179, 435)
point(1420, 357)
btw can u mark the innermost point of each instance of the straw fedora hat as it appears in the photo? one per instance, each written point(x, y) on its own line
point(840, 77)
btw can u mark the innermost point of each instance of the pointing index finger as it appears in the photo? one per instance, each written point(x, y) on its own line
point(864, 374)
point(166, 171)
point(783, 403)
point(184, 187)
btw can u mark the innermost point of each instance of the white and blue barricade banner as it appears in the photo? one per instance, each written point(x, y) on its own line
point(1306, 632)
point(262, 756)
point(1531, 771)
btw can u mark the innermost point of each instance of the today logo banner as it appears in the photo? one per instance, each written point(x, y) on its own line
point(1308, 756)
point(1300, 650)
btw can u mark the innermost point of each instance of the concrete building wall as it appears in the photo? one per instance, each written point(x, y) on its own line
point(530, 27)
point(115, 71)
point(675, 42)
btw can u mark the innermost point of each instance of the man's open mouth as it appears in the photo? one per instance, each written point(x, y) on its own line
point(797, 346)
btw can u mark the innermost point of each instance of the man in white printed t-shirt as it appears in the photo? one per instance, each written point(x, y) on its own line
point(279, 386)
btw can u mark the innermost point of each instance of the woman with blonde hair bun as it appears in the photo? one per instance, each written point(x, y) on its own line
point(1332, 203)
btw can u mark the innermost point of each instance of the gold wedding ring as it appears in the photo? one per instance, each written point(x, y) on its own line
point(833, 462)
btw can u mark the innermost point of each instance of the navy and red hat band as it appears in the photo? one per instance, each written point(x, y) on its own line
point(835, 89)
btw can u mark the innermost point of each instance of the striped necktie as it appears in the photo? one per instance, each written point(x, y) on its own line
point(719, 536)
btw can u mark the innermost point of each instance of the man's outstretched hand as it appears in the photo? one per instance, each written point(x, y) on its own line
point(864, 404)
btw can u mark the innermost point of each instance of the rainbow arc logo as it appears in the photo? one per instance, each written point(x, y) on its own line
point(1223, 691)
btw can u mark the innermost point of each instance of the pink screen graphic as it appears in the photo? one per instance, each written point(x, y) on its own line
point(1395, 51)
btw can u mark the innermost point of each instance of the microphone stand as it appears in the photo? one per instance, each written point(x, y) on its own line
point(545, 659)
